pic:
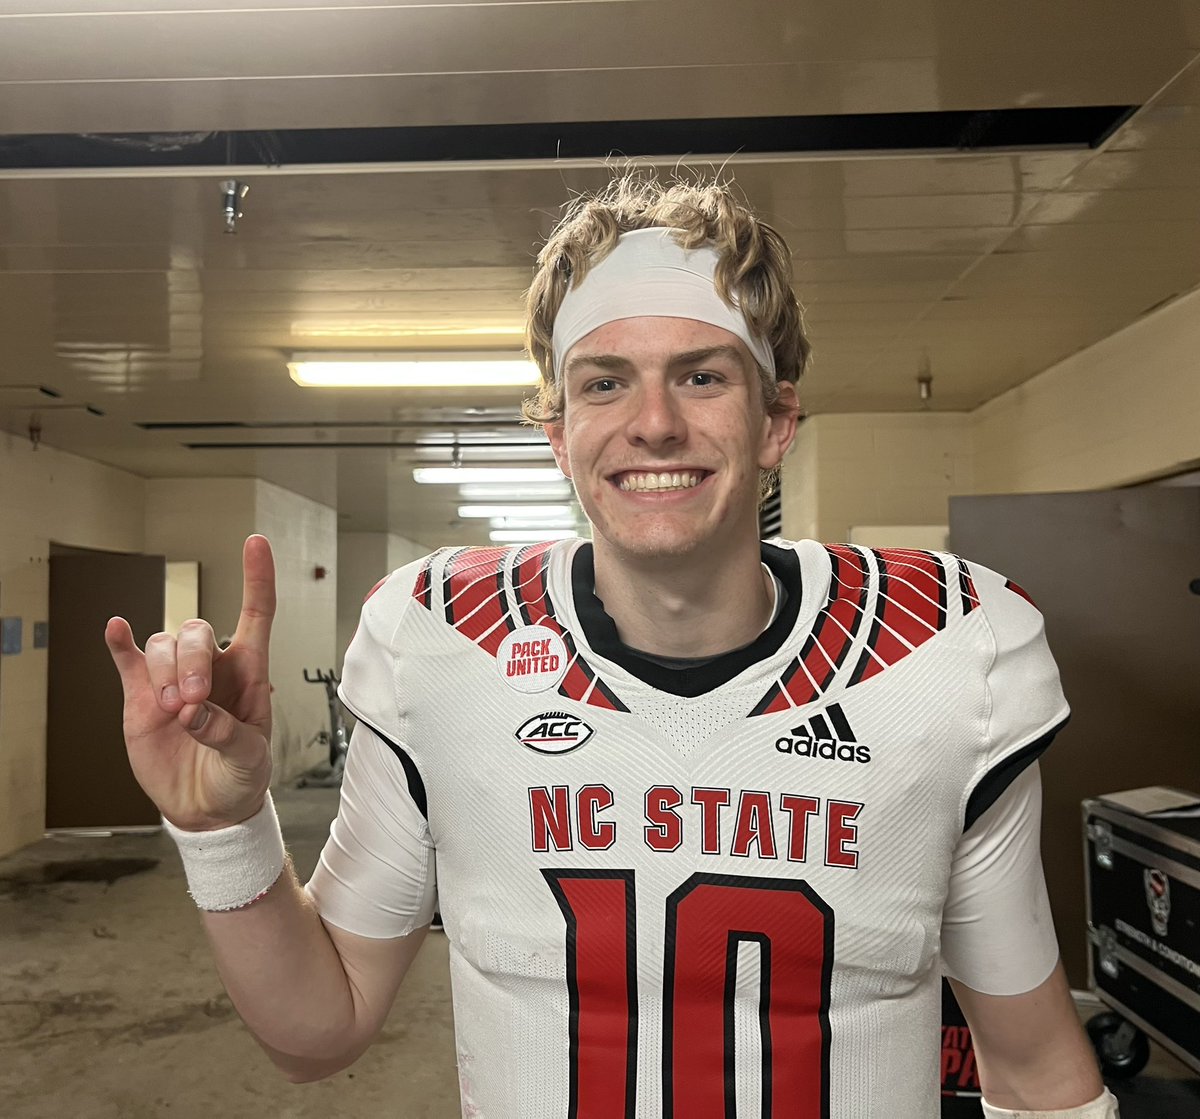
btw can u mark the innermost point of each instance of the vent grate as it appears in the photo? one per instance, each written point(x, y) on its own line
point(770, 515)
point(932, 133)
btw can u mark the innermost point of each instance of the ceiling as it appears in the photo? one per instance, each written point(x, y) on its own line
point(120, 289)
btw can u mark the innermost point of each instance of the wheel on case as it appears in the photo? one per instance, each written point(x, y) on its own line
point(1122, 1048)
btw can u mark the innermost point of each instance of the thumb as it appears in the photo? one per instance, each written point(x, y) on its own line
point(214, 727)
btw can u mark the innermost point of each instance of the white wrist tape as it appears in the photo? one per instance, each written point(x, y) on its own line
point(230, 867)
point(1102, 1107)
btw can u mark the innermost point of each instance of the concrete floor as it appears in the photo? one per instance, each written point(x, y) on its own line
point(110, 1007)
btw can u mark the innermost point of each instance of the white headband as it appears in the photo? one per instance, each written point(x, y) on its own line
point(647, 273)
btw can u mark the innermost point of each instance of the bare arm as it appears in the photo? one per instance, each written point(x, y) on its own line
point(314, 996)
point(1031, 1050)
point(197, 723)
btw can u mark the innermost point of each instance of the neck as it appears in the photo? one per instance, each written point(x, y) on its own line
point(676, 606)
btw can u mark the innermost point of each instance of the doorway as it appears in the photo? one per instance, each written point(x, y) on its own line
point(89, 784)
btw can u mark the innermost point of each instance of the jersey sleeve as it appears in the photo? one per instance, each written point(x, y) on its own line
point(376, 874)
point(1025, 705)
point(368, 687)
point(997, 932)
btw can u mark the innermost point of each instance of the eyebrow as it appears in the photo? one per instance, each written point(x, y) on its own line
point(687, 357)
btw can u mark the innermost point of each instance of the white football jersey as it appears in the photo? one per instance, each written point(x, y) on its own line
point(703, 892)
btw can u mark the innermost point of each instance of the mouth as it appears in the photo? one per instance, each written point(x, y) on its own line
point(661, 481)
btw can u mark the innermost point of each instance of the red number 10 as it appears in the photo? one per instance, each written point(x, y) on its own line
point(707, 919)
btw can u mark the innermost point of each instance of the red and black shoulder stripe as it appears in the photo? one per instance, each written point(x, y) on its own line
point(488, 593)
point(833, 632)
point(910, 608)
point(582, 683)
point(1016, 588)
point(966, 587)
point(530, 586)
point(474, 596)
point(423, 587)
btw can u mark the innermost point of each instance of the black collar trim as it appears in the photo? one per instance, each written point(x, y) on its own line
point(601, 632)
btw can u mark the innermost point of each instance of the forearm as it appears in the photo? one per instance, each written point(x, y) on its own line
point(287, 981)
point(1054, 1078)
point(1031, 1050)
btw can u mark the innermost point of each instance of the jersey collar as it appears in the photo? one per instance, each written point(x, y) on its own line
point(601, 632)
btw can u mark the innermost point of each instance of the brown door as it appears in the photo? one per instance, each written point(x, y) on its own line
point(88, 780)
point(1114, 574)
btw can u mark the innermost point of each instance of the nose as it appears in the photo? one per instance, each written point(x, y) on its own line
point(655, 419)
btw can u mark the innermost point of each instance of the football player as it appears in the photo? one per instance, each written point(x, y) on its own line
point(706, 818)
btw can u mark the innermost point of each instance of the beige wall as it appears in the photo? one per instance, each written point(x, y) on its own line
point(45, 495)
point(401, 551)
point(208, 519)
point(303, 536)
point(1120, 411)
point(799, 484)
point(875, 469)
point(205, 519)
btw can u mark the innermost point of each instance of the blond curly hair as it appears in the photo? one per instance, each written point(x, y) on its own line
point(755, 268)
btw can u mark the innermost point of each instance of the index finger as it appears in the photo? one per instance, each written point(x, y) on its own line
point(258, 594)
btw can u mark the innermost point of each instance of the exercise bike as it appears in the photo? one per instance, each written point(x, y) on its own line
point(336, 738)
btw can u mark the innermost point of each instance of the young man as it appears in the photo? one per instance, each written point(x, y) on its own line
point(706, 819)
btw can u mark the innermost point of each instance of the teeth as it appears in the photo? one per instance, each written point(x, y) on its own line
point(641, 482)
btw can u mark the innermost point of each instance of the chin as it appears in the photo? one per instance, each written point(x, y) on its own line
point(652, 541)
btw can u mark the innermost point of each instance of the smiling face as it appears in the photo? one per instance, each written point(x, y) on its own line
point(664, 433)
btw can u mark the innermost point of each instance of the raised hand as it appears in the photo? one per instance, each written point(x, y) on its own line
point(197, 718)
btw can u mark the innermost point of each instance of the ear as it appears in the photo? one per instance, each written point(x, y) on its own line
point(556, 436)
point(779, 427)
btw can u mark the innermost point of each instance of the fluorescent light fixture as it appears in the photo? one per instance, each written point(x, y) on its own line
point(412, 370)
point(529, 512)
point(506, 491)
point(530, 536)
point(453, 475)
point(531, 524)
point(413, 332)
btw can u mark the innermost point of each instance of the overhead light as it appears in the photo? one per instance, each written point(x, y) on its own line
point(532, 524)
point(414, 332)
point(429, 369)
point(507, 491)
point(452, 475)
point(530, 536)
point(532, 512)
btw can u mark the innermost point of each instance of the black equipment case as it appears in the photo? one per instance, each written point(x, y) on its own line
point(1142, 874)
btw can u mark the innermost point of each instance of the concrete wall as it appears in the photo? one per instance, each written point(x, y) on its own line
point(1125, 409)
point(1121, 411)
point(875, 469)
point(45, 495)
point(303, 536)
point(208, 519)
point(205, 519)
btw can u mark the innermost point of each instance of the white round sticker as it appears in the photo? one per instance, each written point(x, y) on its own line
point(532, 659)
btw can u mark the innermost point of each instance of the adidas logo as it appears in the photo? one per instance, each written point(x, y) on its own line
point(825, 735)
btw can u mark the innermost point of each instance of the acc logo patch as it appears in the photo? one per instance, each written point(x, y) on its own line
point(532, 659)
point(553, 732)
